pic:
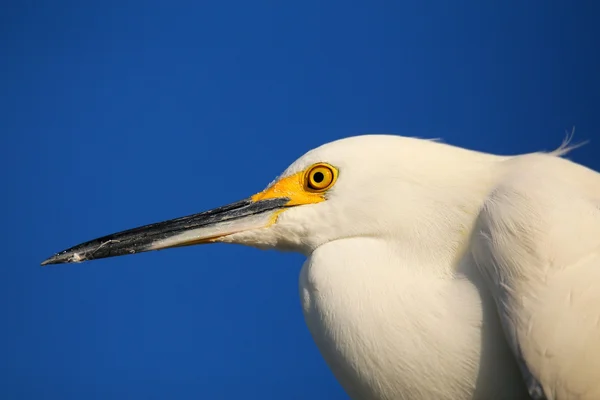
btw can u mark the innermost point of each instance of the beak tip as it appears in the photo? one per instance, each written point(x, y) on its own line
point(63, 258)
point(48, 261)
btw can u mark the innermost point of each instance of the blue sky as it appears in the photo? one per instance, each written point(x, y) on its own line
point(118, 114)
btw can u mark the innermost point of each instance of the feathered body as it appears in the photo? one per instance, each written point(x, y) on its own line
point(436, 272)
point(432, 272)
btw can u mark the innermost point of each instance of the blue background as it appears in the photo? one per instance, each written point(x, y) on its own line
point(118, 114)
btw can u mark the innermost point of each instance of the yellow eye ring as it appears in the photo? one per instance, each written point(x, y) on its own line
point(320, 177)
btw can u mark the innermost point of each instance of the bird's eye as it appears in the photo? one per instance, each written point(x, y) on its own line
point(320, 177)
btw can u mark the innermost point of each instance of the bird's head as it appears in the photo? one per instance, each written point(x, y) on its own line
point(378, 186)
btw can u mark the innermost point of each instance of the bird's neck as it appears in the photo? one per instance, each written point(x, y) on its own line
point(436, 229)
point(380, 318)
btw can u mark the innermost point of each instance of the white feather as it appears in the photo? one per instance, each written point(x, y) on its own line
point(435, 272)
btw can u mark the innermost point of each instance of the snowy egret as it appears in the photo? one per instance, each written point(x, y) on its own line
point(432, 271)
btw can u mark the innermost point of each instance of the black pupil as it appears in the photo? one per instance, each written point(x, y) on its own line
point(318, 177)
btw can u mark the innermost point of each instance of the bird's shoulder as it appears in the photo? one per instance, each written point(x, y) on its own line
point(542, 210)
point(537, 243)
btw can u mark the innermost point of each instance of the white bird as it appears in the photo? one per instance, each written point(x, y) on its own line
point(432, 271)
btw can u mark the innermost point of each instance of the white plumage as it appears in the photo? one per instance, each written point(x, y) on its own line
point(392, 289)
point(432, 271)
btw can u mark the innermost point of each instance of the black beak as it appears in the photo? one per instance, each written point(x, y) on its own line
point(204, 227)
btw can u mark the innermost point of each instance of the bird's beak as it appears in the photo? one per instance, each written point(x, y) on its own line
point(258, 211)
point(199, 228)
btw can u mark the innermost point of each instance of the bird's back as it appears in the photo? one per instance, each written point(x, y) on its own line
point(537, 242)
